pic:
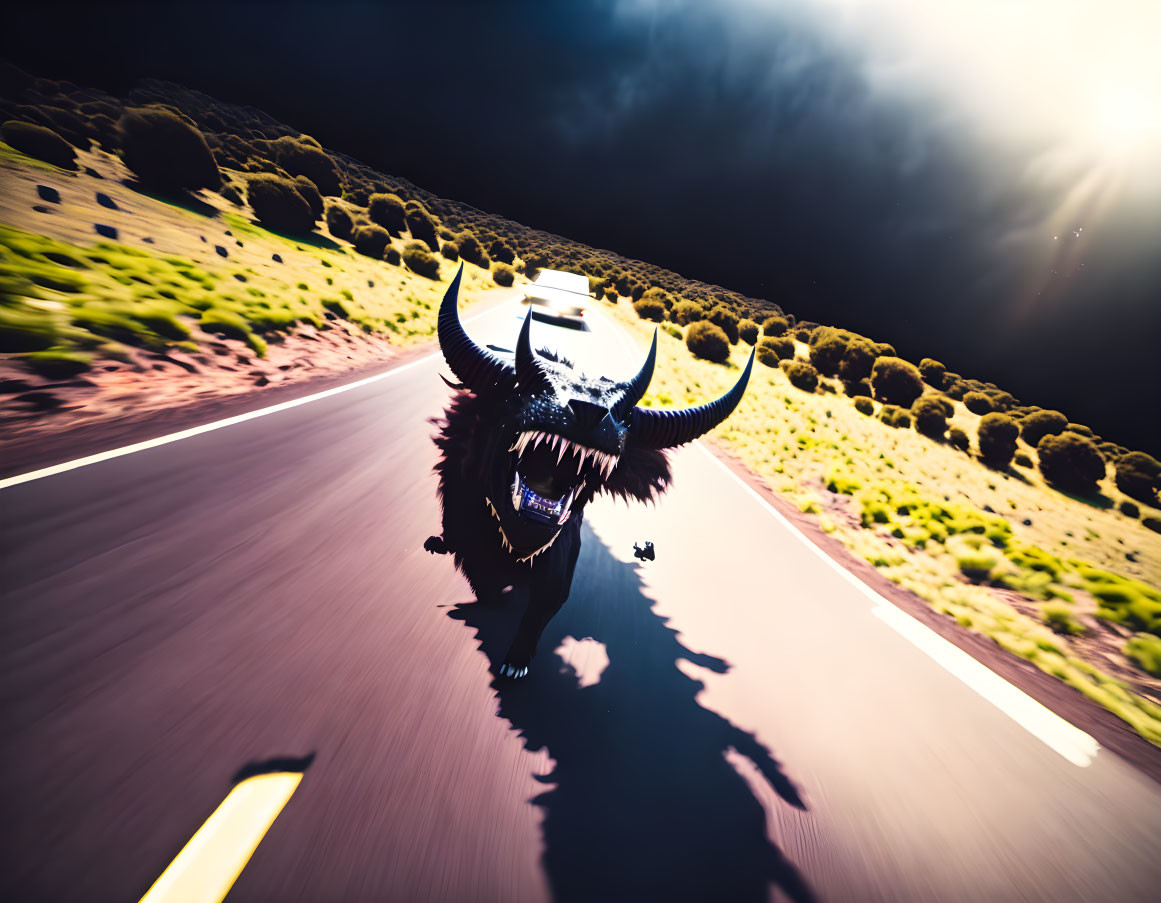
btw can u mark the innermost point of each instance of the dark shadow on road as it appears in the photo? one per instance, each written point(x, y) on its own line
point(644, 804)
point(277, 765)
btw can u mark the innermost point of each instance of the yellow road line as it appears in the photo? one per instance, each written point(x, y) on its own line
point(207, 867)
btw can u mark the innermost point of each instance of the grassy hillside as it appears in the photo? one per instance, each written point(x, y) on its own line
point(250, 242)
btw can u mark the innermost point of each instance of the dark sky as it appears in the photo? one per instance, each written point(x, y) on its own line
point(772, 147)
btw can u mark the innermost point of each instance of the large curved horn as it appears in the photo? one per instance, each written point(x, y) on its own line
point(477, 368)
point(634, 389)
point(530, 374)
point(666, 429)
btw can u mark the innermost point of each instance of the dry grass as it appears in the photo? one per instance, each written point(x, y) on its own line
point(175, 272)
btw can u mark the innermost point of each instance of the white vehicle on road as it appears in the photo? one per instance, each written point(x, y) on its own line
point(559, 296)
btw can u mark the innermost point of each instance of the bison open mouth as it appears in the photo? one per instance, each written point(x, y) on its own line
point(548, 471)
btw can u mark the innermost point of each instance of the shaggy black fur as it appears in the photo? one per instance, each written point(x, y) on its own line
point(467, 441)
point(525, 447)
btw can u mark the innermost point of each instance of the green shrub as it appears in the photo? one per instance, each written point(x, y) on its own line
point(748, 331)
point(1001, 401)
point(472, 251)
point(896, 381)
point(302, 156)
point(802, 375)
point(165, 151)
point(1112, 451)
point(978, 402)
point(857, 387)
point(775, 326)
point(864, 405)
point(1022, 459)
point(225, 323)
point(673, 331)
point(706, 340)
point(1059, 617)
point(371, 240)
point(895, 416)
point(773, 349)
point(534, 262)
point(997, 439)
point(827, 349)
point(450, 250)
point(58, 364)
point(686, 312)
point(726, 320)
point(957, 438)
point(420, 224)
point(498, 250)
point(930, 416)
point(656, 293)
point(976, 564)
point(857, 361)
point(420, 260)
point(339, 221)
point(503, 274)
point(39, 142)
point(279, 205)
point(1138, 476)
point(933, 372)
point(386, 210)
point(309, 192)
point(1070, 462)
point(1144, 650)
point(650, 309)
point(1039, 424)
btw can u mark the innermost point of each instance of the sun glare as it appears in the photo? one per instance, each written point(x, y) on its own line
point(1077, 76)
point(1127, 124)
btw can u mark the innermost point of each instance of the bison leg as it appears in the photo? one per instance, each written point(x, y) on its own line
point(549, 588)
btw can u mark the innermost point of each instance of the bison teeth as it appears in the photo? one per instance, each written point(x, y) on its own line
point(603, 462)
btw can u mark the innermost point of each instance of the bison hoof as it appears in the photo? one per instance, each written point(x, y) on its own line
point(507, 670)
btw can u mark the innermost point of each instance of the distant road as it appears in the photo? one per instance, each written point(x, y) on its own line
point(729, 722)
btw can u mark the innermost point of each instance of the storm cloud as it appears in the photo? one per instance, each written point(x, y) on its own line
point(786, 150)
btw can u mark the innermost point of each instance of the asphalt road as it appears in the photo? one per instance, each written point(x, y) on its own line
point(730, 722)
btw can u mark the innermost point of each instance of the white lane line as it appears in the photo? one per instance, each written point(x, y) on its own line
point(207, 866)
point(218, 424)
point(1057, 734)
point(1074, 744)
point(1064, 738)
